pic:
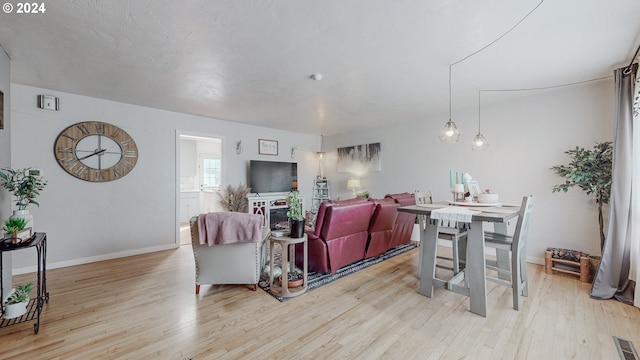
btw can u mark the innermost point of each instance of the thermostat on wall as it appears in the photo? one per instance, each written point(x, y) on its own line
point(48, 102)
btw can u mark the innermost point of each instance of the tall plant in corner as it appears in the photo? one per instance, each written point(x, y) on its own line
point(590, 170)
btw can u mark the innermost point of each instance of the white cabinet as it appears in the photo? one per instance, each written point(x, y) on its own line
point(273, 206)
point(189, 204)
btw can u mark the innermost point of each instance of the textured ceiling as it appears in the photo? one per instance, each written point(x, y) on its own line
point(250, 61)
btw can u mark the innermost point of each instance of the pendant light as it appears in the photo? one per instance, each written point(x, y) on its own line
point(449, 133)
point(479, 142)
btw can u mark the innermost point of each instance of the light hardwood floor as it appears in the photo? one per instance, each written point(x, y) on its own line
point(145, 307)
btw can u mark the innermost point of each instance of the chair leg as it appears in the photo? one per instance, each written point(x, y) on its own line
point(515, 281)
point(523, 273)
point(255, 287)
point(197, 289)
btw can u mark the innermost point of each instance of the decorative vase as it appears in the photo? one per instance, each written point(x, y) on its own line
point(24, 214)
point(297, 228)
point(12, 311)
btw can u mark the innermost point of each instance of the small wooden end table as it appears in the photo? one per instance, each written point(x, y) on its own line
point(288, 257)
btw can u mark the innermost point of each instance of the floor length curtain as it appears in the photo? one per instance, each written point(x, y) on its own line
point(616, 273)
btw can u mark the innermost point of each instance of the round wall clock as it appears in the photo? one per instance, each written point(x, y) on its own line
point(95, 151)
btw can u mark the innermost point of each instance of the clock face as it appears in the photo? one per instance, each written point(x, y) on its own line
point(96, 151)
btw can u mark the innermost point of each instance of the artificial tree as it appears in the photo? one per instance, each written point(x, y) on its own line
point(590, 170)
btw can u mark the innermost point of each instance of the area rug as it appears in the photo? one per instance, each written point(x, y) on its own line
point(316, 280)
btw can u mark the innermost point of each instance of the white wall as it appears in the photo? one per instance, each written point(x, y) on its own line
point(92, 221)
point(528, 133)
point(5, 158)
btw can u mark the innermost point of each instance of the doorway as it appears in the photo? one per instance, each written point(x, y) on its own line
point(200, 171)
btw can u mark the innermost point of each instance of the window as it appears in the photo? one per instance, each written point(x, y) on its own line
point(211, 166)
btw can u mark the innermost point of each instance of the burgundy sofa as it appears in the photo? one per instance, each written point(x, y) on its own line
point(403, 226)
point(351, 230)
point(381, 227)
point(340, 235)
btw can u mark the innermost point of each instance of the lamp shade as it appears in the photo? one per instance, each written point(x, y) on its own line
point(479, 143)
point(449, 133)
point(353, 183)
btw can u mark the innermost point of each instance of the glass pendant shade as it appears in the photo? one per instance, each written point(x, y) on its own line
point(479, 142)
point(449, 133)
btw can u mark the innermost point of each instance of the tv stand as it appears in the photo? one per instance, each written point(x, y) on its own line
point(267, 204)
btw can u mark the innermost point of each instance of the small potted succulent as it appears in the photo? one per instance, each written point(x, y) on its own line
point(17, 302)
point(294, 212)
point(13, 227)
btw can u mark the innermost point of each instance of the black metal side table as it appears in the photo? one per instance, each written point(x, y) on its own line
point(34, 308)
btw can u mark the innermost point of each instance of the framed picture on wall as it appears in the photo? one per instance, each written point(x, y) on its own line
point(359, 159)
point(267, 147)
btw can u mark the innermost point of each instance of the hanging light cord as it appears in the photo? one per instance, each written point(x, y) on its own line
point(501, 36)
point(479, 92)
point(486, 46)
point(546, 87)
point(450, 91)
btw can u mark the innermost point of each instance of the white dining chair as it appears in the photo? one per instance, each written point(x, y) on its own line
point(457, 236)
point(516, 246)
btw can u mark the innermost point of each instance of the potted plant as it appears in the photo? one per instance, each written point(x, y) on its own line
point(294, 212)
point(17, 302)
point(25, 185)
point(590, 170)
point(14, 227)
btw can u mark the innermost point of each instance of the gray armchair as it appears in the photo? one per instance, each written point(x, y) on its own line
point(236, 263)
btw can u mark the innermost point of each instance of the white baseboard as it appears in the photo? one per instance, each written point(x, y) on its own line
point(91, 259)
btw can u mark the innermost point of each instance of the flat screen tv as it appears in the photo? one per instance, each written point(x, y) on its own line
point(272, 176)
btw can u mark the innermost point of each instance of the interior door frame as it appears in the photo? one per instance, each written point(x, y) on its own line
point(223, 175)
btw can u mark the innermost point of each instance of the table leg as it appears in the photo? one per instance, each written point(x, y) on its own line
point(305, 268)
point(475, 272)
point(284, 283)
point(428, 248)
point(422, 224)
point(271, 265)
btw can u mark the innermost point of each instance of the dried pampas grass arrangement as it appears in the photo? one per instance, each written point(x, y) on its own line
point(235, 199)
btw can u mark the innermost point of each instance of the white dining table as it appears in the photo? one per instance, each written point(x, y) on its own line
point(474, 274)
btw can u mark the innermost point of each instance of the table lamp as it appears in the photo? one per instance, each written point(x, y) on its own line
point(353, 184)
